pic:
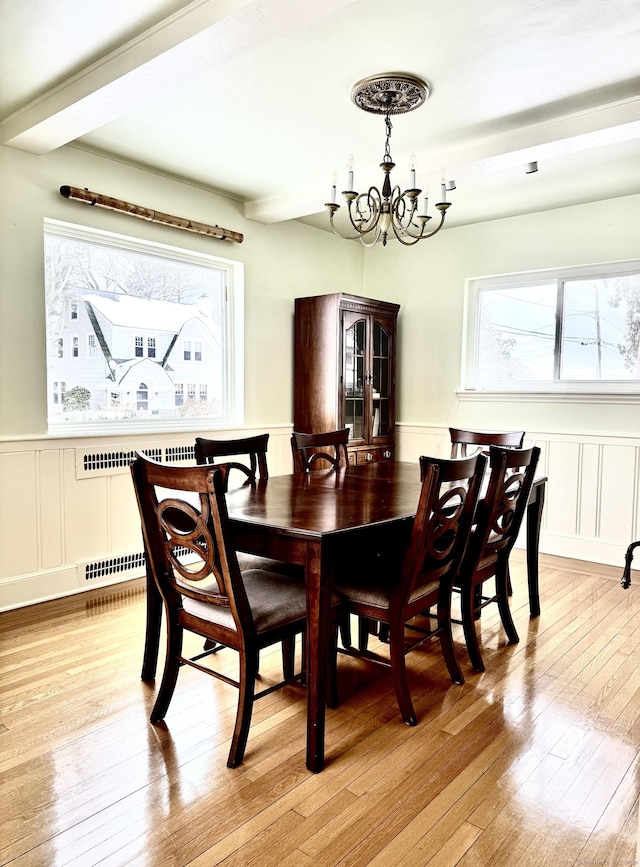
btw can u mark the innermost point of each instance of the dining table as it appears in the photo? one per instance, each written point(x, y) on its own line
point(317, 520)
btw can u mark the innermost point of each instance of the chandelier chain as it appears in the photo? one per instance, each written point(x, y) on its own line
point(387, 147)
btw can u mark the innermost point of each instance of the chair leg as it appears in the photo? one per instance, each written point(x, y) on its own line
point(332, 666)
point(344, 621)
point(446, 643)
point(248, 674)
point(502, 590)
point(170, 675)
point(364, 629)
point(467, 600)
point(383, 632)
point(288, 656)
point(399, 674)
point(152, 635)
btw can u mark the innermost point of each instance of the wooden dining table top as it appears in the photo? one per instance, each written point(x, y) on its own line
point(330, 501)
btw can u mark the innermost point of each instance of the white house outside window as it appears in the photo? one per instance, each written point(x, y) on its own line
point(171, 306)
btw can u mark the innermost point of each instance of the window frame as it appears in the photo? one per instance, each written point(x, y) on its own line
point(233, 346)
point(558, 390)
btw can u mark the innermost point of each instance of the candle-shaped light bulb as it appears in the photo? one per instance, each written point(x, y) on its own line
point(425, 206)
point(412, 168)
point(444, 187)
point(350, 166)
point(333, 188)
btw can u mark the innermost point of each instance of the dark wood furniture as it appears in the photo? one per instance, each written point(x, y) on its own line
point(254, 450)
point(313, 520)
point(345, 371)
point(494, 534)
point(209, 451)
point(392, 589)
point(309, 519)
point(310, 450)
point(195, 569)
point(462, 439)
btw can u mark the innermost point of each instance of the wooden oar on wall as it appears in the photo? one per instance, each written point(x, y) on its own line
point(149, 214)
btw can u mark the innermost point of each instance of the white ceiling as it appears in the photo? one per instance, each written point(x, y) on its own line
point(253, 98)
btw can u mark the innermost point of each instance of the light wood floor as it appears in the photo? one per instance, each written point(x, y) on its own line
point(534, 763)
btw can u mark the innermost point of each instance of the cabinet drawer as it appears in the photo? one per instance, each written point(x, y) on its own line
point(372, 455)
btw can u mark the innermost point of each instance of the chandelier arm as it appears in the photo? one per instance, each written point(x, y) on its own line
point(421, 237)
point(375, 240)
point(337, 232)
point(362, 223)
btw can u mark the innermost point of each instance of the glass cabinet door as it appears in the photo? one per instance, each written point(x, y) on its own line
point(381, 380)
point(354, 378)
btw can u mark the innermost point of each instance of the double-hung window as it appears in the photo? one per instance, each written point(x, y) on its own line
point(143, 313)
point(563, 331)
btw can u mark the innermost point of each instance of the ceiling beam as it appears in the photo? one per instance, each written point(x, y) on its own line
point(596, 127)
point(173, 53)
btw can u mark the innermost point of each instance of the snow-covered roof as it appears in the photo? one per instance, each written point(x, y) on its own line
point(150, 314)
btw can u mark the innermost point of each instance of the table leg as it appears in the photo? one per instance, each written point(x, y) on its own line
point(534, 521)
point(152, 636)
point(319, 581)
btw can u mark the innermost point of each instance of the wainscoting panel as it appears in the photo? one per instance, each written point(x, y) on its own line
point(68, 516)
point(588, 490)
point(69, 521)
point(50, 513)
point(19, 525)
point(592, 508)
point(619, 495)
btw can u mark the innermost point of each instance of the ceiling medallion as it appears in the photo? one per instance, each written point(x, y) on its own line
point(377, 215)
point(390, 93)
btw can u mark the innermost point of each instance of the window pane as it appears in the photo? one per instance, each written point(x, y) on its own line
point(601, 328)
point(516, 335)
point(142, 314)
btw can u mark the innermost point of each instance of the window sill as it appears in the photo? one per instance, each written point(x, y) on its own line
point(540, 396)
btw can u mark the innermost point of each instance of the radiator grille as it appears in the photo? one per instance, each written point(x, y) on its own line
point(173, 454)
point(115, 460)
point(109, 463)
point(114, 565)
point(127, 563)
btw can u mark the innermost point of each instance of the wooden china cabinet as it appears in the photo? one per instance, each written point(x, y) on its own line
point(345, 371)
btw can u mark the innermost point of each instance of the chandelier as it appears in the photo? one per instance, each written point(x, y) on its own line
point(377, 215)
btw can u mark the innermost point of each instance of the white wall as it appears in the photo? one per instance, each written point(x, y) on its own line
point(428, 281)
point(281, 262)
point(590, 451)
point(56, 519)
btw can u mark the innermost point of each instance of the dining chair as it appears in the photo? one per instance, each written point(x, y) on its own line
point(195, 568)
point(395, 588)
point(254, 449)
point(462, 439)
point(208, 451)
point(310, 450)
point(500, 514)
